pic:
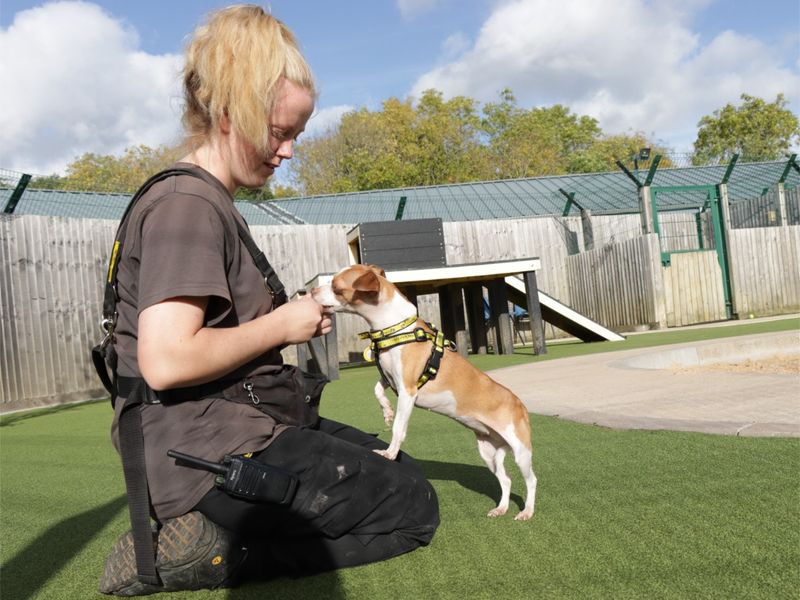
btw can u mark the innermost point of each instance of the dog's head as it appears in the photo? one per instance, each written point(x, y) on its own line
point(356, 289)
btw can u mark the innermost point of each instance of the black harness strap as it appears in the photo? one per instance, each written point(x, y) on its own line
point(104, 357)
point(131, 447)
point(271, 279)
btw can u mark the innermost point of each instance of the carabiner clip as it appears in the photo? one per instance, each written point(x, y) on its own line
point(248, 386)
point(108, 324)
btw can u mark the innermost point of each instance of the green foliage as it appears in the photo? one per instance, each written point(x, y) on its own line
point(107, 173)
point(254, 195)
point(603, 154)
point(283, 191)
point(437, 141)
point(47, 182)
point(401, 145)
point(270, 191)
point(756, 130)
point(540, 141)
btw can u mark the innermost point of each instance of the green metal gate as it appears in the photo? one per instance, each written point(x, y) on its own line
point(703, 203)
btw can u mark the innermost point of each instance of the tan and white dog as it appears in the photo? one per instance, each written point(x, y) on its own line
point(459, 390)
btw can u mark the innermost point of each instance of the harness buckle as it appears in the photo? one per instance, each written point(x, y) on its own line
point(369, 354)
point(108, 325)
point(269, 289)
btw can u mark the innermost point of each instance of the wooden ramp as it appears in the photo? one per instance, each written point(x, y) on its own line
point(561, 315)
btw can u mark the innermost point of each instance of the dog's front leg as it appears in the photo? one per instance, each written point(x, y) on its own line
point(383, 400)
point(405, 403)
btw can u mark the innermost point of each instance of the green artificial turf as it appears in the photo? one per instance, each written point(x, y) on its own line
point(619, 514)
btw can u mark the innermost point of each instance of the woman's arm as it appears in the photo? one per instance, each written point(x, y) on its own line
point(176, 350)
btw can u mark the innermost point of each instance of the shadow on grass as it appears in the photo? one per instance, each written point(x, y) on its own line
point(45, 556)
point(14, 418)
point(475, 478)
point(324, 585)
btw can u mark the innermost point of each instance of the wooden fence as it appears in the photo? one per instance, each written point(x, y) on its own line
point(619, 285)
point(764, 270)
point(52, 268)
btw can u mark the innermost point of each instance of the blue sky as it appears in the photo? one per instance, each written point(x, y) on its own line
point(101, 76)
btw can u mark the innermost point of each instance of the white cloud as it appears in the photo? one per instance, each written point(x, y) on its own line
point(410, 9)
point(325, 119)
point(454, 45)
point(632, 64)
point(80, 84)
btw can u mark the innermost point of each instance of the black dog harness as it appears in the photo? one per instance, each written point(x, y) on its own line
point(389, 337)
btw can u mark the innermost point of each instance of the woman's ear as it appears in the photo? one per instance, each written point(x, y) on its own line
point(225, 122)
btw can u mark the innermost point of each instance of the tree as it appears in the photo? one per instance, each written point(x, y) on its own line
point(124, 174)
point(437, 141)
point(283, 191)
point(540, 141)
point(47, 182)
point(602, 155)
point(271, 191)
point(756, 130)
point(254, 195)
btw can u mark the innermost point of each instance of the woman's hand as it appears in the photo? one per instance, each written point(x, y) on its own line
point(303, 319)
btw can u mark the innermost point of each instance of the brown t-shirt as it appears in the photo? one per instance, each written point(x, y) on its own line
point(177, 245)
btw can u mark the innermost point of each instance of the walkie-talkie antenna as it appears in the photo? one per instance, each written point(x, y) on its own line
point(199, 463)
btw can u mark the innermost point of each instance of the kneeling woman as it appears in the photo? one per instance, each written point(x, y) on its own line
point(194, 314)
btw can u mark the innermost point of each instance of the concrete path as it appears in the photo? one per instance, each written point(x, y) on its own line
point(666, 387)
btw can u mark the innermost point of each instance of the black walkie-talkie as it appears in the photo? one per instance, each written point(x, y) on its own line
point(245, 478)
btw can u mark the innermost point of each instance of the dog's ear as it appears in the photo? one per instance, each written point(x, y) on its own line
point(368, 282)
point(377, 270)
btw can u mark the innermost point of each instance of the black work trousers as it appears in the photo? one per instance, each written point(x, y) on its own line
point(352, 506)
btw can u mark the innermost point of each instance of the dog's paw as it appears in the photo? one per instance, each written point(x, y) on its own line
point(497, 512)
point(386, 454)
point(388, 417)
point(524, 515)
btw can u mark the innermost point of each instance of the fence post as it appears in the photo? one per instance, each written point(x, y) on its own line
point(17, 194)
point(783, 215)
point(588, 232)
point(725, 235)
point(586, 218)
point(646, 209)
point(650, 248)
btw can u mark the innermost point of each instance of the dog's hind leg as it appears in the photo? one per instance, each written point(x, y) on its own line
point(383, 400)
point(523, 457)
point(493, 452)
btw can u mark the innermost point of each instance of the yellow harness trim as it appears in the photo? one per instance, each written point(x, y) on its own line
point(388, 338)
point(382, 333)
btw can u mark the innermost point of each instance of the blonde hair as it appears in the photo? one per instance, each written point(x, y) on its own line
point(233, 65)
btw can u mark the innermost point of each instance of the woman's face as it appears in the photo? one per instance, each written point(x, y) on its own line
point(251, 168)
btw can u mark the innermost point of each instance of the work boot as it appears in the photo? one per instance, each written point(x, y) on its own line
point(192, 553)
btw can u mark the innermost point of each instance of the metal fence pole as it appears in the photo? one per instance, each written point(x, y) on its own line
point(17, 194)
